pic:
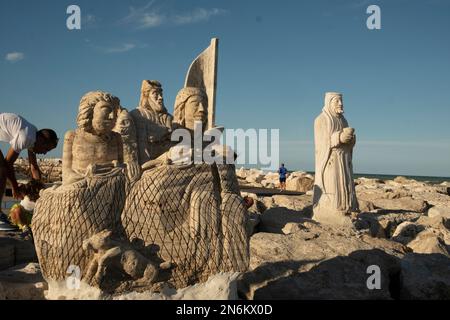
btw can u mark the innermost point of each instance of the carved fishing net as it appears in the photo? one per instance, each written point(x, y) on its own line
point(66, 216)
point(191, 216)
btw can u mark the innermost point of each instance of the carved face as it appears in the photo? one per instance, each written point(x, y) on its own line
point(156, 100)
point(337, 105)
point(196, 110)
point(104, 117)
point(124, 123)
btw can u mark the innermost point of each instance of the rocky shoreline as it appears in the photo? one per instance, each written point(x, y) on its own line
point(403, 229)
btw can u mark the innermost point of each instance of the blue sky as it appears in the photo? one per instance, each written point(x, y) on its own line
point(276, 61)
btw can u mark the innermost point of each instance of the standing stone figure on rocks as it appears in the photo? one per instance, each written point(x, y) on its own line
point(153, 122)
point(334, 190)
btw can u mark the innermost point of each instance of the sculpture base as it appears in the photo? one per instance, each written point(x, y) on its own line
point(332, 217)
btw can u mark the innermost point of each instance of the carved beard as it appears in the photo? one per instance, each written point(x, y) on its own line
point(334, 111)
point(338, 112)
point(155, 106)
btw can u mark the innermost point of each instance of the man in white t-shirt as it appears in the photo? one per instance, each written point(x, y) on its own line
point(20, 134)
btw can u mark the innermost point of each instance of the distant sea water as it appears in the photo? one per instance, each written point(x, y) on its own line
point(432, 180)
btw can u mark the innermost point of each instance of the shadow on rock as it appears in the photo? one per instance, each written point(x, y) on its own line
point(425, 277)
point(352, 277)
point(342, 277)
point(273, 220)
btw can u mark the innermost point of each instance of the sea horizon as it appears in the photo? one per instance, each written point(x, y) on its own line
point(381, 176)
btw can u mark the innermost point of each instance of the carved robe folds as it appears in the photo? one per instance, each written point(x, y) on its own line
point(334, 191)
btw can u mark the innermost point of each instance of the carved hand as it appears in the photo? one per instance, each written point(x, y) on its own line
point(133, 171)
point(91, 170)
point(347, 136)
point(225, 152)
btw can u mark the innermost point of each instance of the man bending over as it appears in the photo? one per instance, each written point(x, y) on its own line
point(20, 134)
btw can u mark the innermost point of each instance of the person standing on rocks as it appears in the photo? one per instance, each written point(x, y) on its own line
point(20, 134)
point(283, 173)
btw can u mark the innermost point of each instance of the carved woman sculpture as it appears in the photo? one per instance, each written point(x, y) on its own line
point(93, 144)
point(93, 193)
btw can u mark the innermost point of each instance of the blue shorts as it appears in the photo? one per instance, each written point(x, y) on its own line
point(282, 180)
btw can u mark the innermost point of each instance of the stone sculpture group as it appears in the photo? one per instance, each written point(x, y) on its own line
point(126, 215)
point(130, 215)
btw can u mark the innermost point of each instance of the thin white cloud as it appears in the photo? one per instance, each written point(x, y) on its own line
point(198, 15)
point(144, 17)
point(150, 17)
point(121, 48)
point(151, 20)
point(15, 56)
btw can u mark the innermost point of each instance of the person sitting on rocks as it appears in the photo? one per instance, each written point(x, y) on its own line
point(20, 134)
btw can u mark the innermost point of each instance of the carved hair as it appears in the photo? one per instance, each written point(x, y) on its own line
point(146, 88)
point(87, 105)
point(329, 96)
point(179, 115)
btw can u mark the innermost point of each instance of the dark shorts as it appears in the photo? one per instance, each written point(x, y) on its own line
point(282, 180)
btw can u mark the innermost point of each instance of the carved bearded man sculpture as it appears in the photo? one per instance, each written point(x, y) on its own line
point(153, 122)
point(334, 190)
